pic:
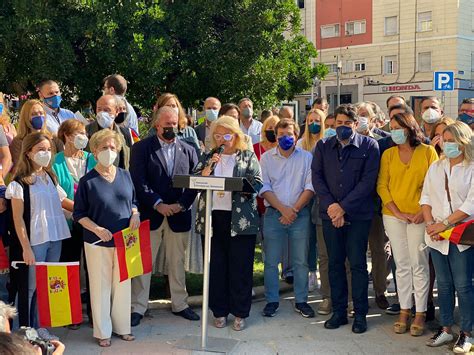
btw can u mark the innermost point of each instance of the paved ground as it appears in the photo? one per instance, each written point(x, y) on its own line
point(287, 333)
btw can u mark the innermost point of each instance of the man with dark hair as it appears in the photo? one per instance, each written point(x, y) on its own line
point(344, 173)
point(116, 84)
point(321, 104)
point(466, 112)
point(50, 94)
point(431, 113)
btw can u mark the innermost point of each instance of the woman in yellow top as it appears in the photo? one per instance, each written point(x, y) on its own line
point(402, 173)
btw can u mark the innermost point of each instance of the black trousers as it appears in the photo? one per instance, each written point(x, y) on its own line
point(231, 272)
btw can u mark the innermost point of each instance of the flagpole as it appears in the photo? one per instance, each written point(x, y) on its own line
point(207, 261)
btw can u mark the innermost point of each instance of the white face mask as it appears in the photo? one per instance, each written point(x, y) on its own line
point(80, 141)
point(107, 157)
point(104, 119)
point(363, 124)
point(176, 109)
point(431, 116)
point(42, 158)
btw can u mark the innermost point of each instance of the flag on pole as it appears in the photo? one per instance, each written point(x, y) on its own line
point(134, 251)
point(135, 136)
point(461, 234)
point(59, 294)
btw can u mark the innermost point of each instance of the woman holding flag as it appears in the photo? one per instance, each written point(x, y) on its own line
point(448, 199)
point(104, 204)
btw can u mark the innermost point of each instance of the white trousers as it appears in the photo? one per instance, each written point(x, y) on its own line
point(413, 273)
point(110, 298)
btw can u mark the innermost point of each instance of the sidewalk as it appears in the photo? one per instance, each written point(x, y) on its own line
point(287, 333)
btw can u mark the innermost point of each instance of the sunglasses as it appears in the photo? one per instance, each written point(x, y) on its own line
point(226, 137)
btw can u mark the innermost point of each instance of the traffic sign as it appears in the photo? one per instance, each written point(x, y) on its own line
point(443, 81)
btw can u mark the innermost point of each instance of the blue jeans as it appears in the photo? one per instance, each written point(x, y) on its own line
point(49, 252)
point(298, 236)
point(454, 273)
point(349, 241)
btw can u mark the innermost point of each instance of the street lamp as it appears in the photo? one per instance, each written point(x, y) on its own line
point(338, 78)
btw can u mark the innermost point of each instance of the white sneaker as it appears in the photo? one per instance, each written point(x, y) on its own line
point(350, 310)
point(325, 307)
point(463, 344)
point(440, 338)
point(311, 281)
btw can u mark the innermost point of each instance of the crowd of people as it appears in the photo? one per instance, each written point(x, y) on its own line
point(325, 193)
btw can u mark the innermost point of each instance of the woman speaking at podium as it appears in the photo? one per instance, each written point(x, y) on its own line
point(235, 223)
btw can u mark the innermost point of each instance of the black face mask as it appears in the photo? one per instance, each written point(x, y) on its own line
point(120, 118)
point(270, 135)
point(169, 133)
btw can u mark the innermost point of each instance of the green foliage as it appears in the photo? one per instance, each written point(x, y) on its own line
point(194, 48)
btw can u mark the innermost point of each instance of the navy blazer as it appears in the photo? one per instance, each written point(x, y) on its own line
point(152, 182)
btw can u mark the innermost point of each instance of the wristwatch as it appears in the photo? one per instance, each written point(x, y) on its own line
point(182, 207)
point(446, 222)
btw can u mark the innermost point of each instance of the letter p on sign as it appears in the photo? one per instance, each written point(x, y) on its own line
point(443, 81)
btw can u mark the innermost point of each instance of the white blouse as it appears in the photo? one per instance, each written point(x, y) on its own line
point(461, 190)
point(47, 218)
point(222, 200)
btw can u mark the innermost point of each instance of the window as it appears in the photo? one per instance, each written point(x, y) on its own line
point(391, 25)
point(359, 66)
point(424, 21)
point(332, 68)
point(301, 4)
point(424, 61)
point(329, 31)
point(355, 28)
point(390, 64)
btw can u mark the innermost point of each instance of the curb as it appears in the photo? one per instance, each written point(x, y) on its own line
point(196, 301)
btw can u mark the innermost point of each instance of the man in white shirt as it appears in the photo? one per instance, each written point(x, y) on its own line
point(248, 125)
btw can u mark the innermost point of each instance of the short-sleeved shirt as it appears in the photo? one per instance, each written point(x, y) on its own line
point(254, 130)
point(54, 119)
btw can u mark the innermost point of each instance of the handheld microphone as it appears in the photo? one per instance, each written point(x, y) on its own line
point(219, 152)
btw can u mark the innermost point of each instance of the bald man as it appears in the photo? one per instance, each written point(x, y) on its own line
point(286, 112)
point(211, 107)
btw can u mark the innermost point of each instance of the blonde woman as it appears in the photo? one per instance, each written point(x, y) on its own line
point(235, 224)
point(314, 130)
point(448, 198)
point(5, 140)
point(8, 127)
point(437, 133)
point(105, 204)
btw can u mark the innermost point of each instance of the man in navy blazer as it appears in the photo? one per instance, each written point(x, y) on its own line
point(154, 161)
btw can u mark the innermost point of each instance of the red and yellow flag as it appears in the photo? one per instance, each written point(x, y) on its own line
point(135, 136)
point(134, 251)
point(456, 234)
point(59, 294)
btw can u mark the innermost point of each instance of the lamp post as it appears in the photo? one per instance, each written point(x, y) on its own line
point(338, 78)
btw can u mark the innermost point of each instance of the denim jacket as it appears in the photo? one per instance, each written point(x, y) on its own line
point(245, 219)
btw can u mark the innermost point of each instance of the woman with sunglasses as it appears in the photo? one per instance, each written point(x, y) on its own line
point(235, 223)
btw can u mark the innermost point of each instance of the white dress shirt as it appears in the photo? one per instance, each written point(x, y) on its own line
point(254, 130)
point(222, 200)
point(461, 190)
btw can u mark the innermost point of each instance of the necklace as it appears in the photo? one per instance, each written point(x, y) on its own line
point(109, 176)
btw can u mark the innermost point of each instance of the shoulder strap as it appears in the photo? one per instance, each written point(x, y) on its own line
point(446, 187)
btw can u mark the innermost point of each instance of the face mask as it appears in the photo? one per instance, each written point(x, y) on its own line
point(286, 142)
point(270, 135)
point(1, 109)
point(53, 101)
point(247, 112)
point(330, 132)
point(42, 158)
point(120, 118)
point(343, 132)
point(211, 115)
point(107, 157)
point(363, 125)
point(314, 128)
point(104, 119)
point(80, 141)
point(465, 118)
point(169, 133)
point(431, 116)
point(176, 109)
point(37, 122)
point(451, 150)
point(398, 136)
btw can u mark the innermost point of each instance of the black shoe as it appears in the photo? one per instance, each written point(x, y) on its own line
point(270, 309)
point(430, 312)
point(289, 280)
point(188, 314)
point(393, 310)
point(382, 302)
point(135, 319)
point(360, 325)
point(335, 322)
point(305, 309)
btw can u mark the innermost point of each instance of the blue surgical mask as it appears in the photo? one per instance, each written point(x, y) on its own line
point(104, 119)
point(330, 132)
point(465, 118)
point(451, 150)
point(314, 128)
point(53, 101)
point(1, 109)
point(344, 132)
point(362, 125)
point(286, 142)
point(211, 115)
point(398, 136)
point(247, 112)
point(37, 122)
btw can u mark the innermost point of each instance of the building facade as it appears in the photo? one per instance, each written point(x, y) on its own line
point(385, 47)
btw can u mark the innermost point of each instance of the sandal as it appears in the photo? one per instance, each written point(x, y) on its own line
point(239, 324)
point(126, 337)
point(400, 327)
point(220, 322)
point(417, 330)
point(105, 343)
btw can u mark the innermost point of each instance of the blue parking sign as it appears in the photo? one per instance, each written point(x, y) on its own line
point(443, 81)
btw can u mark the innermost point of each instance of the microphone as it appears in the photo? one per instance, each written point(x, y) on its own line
point(219, 152)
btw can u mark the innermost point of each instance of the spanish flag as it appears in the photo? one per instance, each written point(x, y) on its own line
point(59, 294)
point(134, 251)
point(135, 136)
point(460, 234)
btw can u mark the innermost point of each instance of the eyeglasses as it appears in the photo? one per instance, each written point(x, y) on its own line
point(226, 137)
